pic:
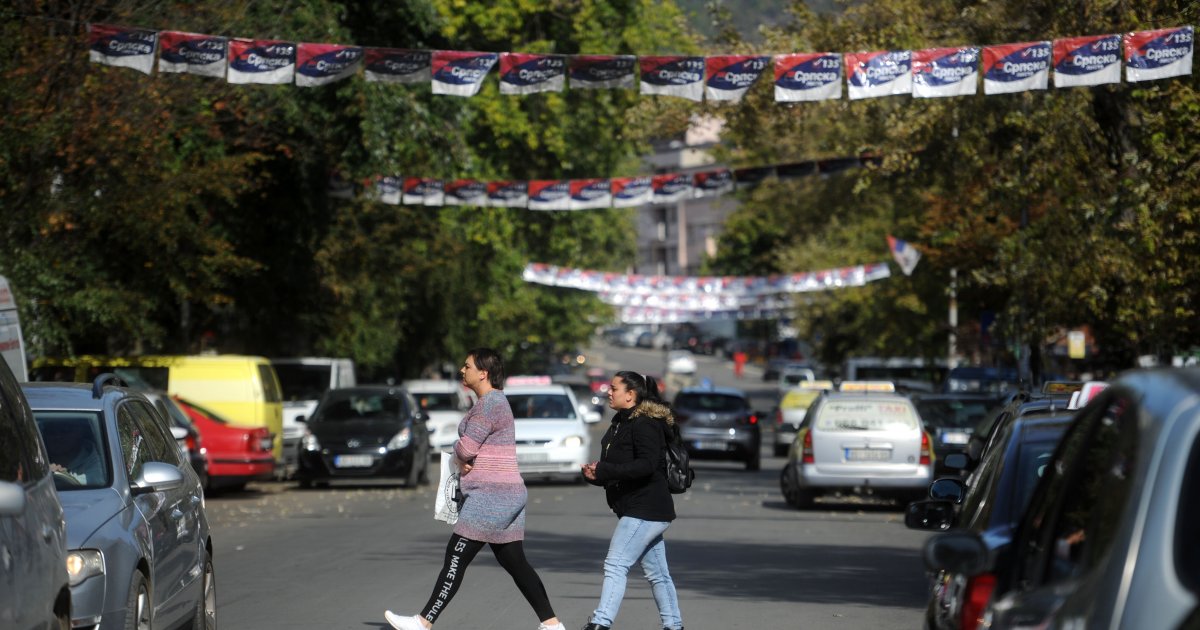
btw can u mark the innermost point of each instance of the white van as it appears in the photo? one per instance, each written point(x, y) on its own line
point(446, 401)
point(303, 381)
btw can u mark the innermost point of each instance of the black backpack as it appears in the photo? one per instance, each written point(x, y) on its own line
point(679, 469)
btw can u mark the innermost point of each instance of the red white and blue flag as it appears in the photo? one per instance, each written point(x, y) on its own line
point(881, 73)
point(906, 255)
point(508, 194)
point(671, 187)
point(588, 194)
point(388, 189)
point(1090, 60)
point(631, 192)
point(264, 61)
point(808, 77)
point(1009, 68)
point(397, 65)
point(522, 73)
point(945, 71)
point(549, 194)
point(730, 76)
point(322, 64)
point(603, 71)
point(193, 53)
point(673, 76)
point(422, 191)
point(460, 73)
point(123, 47)
point(464, 192)
point(1158, 54)
point(712, 183)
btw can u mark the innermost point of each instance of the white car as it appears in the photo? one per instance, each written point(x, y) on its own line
point(446, 402)
point(552, 439)
point(681, 362)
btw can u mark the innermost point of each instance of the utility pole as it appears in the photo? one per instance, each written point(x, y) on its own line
point(952, 351)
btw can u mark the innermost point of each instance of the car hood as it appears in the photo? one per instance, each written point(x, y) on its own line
point(368, 431)
point(86, 511)
point(549, 429)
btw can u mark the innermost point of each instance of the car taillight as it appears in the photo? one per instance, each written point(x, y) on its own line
point(926, 454)
point(979, 591)
point(808, 448)
point(752, 418)
point(191, 443)
point(779, 416)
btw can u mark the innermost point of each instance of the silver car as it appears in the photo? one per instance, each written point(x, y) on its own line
point(140, 553)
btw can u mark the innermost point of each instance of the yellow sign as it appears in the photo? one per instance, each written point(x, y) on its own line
point(1076, 344)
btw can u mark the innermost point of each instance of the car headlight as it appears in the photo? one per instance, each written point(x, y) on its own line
point(83, 564)
point(400, 440)
point(572, 441)
point(310, 442)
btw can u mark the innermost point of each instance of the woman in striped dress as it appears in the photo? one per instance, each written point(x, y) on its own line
point(494, 510)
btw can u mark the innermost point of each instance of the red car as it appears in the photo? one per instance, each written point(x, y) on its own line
point(236, 454)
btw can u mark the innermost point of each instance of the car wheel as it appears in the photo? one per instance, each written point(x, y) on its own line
point(795, 497)
point(205, 617)
point(137, 605)
point(754, 463)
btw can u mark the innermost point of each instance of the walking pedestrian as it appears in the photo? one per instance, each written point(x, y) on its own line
point(632, 469)
point(494, 510)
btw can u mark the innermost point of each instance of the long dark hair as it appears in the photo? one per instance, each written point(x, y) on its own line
point(646, 387)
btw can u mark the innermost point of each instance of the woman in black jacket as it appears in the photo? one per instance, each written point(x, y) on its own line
point(632, 471)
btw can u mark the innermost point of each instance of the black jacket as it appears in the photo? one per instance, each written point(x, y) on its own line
point(632, 465)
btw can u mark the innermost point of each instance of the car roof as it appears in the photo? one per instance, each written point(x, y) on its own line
point(725, 391)
point(536, 389)
point(888, 396)
point(431, 385)
point(69, 395)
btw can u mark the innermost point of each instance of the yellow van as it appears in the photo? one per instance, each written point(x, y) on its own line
point(242, 389)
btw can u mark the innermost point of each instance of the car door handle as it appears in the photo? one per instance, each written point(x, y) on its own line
point(177, 514)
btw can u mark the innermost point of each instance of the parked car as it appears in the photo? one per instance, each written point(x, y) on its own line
point(192, 442)
point(591, 404)
point(35, 590)
point(718, 423)
point(951, 420)
point(992, 499)
point(552, 438)
point(1108, 538)
point(791, 411)
point(365, 432)
point(236, 455)
point(302, 382)
point(140, 548)
point(445, 402)
point(859, 441)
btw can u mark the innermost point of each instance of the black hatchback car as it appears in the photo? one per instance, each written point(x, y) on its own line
point(365, 432)
point(717, 423)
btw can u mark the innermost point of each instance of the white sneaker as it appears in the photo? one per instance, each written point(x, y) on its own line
point(557, 626)
point(403, 623)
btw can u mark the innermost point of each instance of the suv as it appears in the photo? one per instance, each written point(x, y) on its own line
point(34, 587)
point(718, 423)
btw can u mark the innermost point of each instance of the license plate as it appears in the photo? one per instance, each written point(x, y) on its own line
point(354, 461)
point(710, 445)
point(868, 455)
point(532, 458)
point(955, 437)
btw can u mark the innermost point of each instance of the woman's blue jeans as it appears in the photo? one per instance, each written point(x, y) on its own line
point(636, 541)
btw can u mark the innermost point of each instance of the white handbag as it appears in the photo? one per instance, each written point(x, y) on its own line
point(446, 503)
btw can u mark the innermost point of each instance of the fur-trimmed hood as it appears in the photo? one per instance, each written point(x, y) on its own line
point(655, 410)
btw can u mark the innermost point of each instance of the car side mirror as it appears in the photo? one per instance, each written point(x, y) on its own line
point(157, 477)
point(179, 433)
point(956, 552)
point(957, 461)
point(929, 515)
point(947, 489)
point(12, 499)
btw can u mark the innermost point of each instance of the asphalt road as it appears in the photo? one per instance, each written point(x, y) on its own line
point(740, 557)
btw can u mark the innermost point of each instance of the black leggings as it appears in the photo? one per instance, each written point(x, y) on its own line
point(459, 554)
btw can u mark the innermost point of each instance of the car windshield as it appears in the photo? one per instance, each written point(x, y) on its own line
point(866, 415)
point(75, 442)
point(359, 406)
point(301, 381)
point(952, 413)
point(709, 402)
point(437, 401)
point(541, 406)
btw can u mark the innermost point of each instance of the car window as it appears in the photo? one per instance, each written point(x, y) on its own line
point(1187, 552)
point(438, 401)
point(1032, 461)
point(952, 414)
point(161, 446)
point(134, 452)
point(302, 381)
point(360, 406)
point(23, 464)
point(981, 487)
point(75, 443)
point(533, 406)
point(709, 402)
point(270, 384)
point(866, 415)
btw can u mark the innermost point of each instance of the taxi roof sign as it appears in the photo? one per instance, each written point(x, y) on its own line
point(818, 385)
point(1086, 394)
point(868, 386)
point(1061, 387)
point(528, 380)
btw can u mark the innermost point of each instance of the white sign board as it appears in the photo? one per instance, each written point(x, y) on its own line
point(12, 346)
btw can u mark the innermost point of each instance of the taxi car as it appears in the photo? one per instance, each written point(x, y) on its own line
point(790, 413)
point(552, 438)
point(863, 438)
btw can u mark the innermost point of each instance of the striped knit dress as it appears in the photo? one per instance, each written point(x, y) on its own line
point(494, 511)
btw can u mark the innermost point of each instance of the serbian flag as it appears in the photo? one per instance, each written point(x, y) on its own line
point(673, 76)
point(712, 183)
point(589, 72)
point(465, 192)
point(422, 191)
point(630, 192)
point(808, 77)
point(945, 71)
point(522, 73)
point(882, 73)
point(205, 55)
point(396, 65)
point(906, 255)
point(589, 194)
point(322, 64)
point(387, 189)
point(508, 194)
point(124, 47)
point(730, 76)
point(549, 194)
point(261, 61)
point(1089, 60)
point(1009, 68)
point(460, 73)
point(671, 187)
point(1158, 54)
